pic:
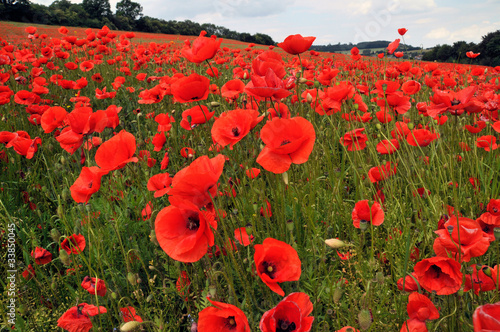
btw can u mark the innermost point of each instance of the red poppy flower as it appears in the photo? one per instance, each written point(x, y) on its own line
point(252, 173)
point(421, 137)
point(365, 214)
point(28, 273)
point(242, 236)
point(30, 30)
point(203, 48)
point(421, 307)
point(87, 184)
point(414, 325)
point(393, 46)
point(74, 244)
point(160, 184)
point(450, 101)
point(233, 126)
point(439, 274)
point(116, 152)
point(76, 319)
point(493, 207)
point(461, 237)
point(24, 97)
point(410, 285)
point(52, 118)
point(26, 146)
point(402, 31)
point(94, 286)
point(232, 89)
point(184, 232)
point(291, 314)
point(296, 44)
point(268, 86)
point(129, 314)
point(411, 87)
point(268, 60)
point(190, 88)
point(480, 281)
point(63, 30)
point(197, 183)
point(276, 261)
point(354, 140)
point(387, 146)
point(195, 116)
point(347, 329)
point(222, 317)
point(471, 54)
point(383, 172)
point(488, 143)
point(42, 256)
point(487, 318)
point(287, 141)
point(182, 284)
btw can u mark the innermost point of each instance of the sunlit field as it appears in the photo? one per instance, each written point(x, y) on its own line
point(171, 183)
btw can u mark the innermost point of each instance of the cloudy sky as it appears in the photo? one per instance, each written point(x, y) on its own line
point(429, 22)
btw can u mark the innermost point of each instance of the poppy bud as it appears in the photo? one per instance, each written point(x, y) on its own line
point(64, 257)
point(152, 236)
point(214, 104)
point(285, 177)
point(365, 319)
point(363, 225)
point(130, 326)
point(302, 80)
point(496, 232)
point(487, 271)
point(290, 225)
point(337, 294)
point(316, 85)
point(335, 243)
point(149, 298)
point(411, 125)
point(55, 235)
point(309, 98)
point(114, 296)
point(378, 126)
point(132, 278)
point(212, 290)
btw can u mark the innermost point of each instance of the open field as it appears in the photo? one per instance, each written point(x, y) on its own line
point(149, 184)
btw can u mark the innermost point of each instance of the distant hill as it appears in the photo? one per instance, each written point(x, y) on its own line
point(368, 46)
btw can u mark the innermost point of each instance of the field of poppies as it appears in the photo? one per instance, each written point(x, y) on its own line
point(167, 183)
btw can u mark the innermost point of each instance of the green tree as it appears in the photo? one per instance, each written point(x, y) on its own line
point(97, 9)
point(129, 9)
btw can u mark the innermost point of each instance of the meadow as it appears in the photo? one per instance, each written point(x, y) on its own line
point(171, 183)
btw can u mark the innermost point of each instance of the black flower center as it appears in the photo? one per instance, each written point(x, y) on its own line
point(437, 270)
point(285, 142)
point(285, 326)
point(193, 223)
point(268, 268)
point(236, 132)
point(455, 102)
point(230, 323)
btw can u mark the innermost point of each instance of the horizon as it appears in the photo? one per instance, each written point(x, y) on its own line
point(429, 22)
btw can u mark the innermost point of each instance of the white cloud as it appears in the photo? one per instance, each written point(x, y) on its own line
point(439, 33)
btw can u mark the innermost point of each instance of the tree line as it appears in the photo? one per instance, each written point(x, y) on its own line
point(128, 17)
point(489, 47)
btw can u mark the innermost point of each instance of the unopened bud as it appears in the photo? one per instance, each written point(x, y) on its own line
point(130, 326)
point(411, 125)
point(214, 104)
point(302, 80)
point(132, 278)
point(337, 294)
point(487, 271)
point(309, 98)
point(55, 235)
point(335, 243)
point(63, 255)
point(285, 177)
point(365, 319)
